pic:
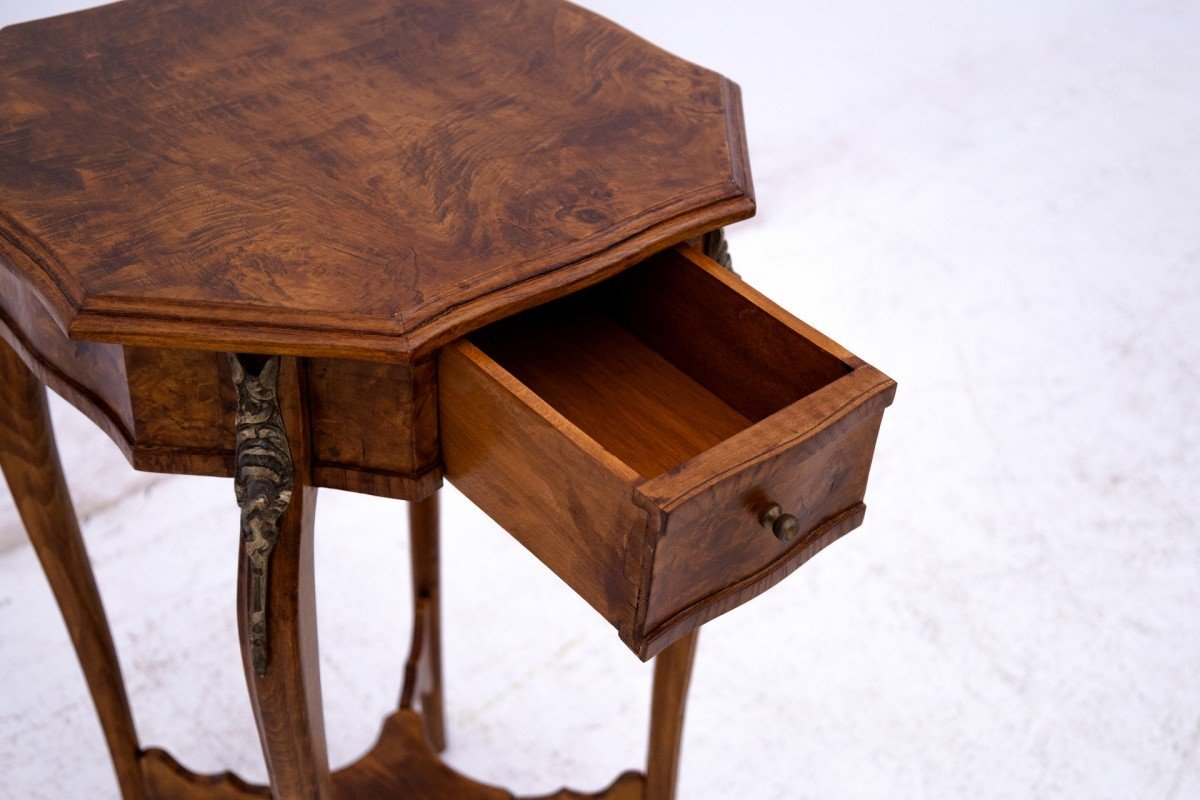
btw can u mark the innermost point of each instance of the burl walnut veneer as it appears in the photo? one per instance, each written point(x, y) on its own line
point(363, 245)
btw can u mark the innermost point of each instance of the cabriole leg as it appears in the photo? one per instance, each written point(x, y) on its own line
point(672, 677)
point(277, 618)
point(29, 460)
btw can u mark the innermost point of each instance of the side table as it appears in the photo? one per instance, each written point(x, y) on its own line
point(372, 245)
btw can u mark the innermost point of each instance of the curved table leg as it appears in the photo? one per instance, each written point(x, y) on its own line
point(424, 671)
point(277, 619)
point(29, 460)
point(672, 677)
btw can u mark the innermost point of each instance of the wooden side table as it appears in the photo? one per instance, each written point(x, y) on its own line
point(368, 245)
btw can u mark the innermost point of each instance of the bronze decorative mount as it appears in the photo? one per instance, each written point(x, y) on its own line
point(264, 476)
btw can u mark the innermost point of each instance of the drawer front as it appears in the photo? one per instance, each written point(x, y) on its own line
point(632, 435)
point(715, 552)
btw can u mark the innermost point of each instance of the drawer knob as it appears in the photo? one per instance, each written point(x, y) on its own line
point(784, 526)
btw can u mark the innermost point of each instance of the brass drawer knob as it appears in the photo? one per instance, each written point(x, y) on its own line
point(784, 526)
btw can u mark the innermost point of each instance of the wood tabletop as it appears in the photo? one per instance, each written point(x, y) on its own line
point(363, 179)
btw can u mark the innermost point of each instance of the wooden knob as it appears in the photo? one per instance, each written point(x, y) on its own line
point(784, 526)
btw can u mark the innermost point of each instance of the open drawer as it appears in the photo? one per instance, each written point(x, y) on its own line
point(669, 442)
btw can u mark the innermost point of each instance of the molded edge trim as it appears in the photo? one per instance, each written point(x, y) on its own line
point(81, 397)
point(205, 326)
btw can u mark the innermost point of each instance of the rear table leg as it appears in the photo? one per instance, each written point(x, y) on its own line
point(423, 679)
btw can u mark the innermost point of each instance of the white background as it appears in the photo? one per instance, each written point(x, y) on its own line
point(998, 204)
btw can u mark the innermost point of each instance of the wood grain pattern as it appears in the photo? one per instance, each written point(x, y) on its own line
point(677, 391)
point(711, 554)
point(182, 401)
point(374, 425)
point(399, 767)
point(287, 699)
point(672, 679)
point(423, 687)
point(737, 593)
point(691, 318)
point(88, 375)
point(531, 471)
point(403, 766)
point(365, 180)
point(355, 186)
point(634, 402)
point(167, 779)
point(30, 463)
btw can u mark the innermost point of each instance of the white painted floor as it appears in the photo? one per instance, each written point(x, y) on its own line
point(998, 204)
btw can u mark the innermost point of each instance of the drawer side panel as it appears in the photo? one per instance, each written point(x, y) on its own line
point(539, 479)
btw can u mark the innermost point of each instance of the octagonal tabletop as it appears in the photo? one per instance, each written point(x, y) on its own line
point(364, 178)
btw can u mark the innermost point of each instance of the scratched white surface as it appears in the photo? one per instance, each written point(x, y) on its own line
point(998, 204)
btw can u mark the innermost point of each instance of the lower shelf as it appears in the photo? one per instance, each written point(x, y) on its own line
point(401, 766)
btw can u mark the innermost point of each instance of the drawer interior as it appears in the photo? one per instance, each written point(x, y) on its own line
point(660, 363)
